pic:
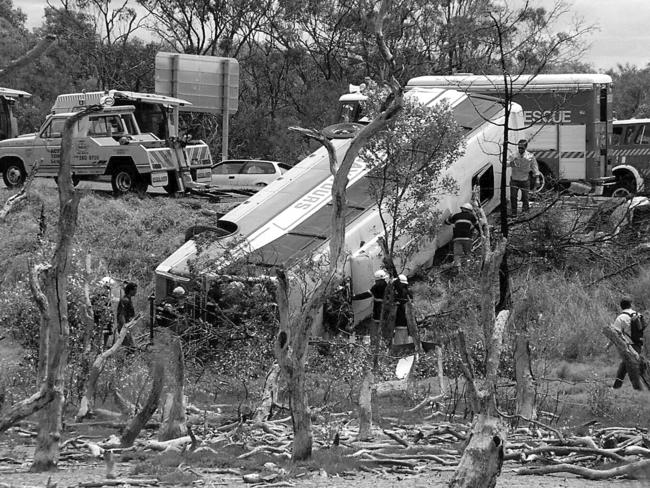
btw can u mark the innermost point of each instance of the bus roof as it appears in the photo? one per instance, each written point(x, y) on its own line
point(539, 83)
point(10, 93)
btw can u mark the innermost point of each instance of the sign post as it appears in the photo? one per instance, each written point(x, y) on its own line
point(210, 83)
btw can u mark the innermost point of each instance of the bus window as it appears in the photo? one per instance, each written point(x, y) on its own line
point(617, 136)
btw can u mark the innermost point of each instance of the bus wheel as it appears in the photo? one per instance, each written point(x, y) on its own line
point(342, 131)
point(14, 175)
point(539, 184)
point(124, 180)
point(622, 192)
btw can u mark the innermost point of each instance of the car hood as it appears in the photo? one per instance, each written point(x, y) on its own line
point(24, 140)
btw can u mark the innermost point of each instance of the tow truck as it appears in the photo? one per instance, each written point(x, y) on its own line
point(110, 144)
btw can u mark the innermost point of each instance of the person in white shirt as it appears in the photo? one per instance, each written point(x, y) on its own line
point(522, 164)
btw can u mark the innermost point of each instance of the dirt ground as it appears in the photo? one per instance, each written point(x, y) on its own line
point(74, 474)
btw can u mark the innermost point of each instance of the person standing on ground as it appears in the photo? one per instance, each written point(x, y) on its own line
point(402, 296)
point(625, 322)
point(523, 163)
point(464, 223)
point(126, 311)
point(376, 292)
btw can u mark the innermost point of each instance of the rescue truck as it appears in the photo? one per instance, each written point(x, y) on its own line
point(111, 144)
point(629, 156)
point(288, 222)
point(568, 119)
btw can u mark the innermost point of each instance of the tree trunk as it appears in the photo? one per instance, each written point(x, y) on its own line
point(638, 367)
point(140, 420)
point(25, 408)
point(300, 415)
point(524, 376)
point(269, 395)
point(46, 453)
point(173, 424)
point(482, 459)
point(365, 406)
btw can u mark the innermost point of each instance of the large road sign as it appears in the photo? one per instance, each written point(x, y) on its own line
point(210, 83)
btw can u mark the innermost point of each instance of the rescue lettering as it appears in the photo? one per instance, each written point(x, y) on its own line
point(547, 116)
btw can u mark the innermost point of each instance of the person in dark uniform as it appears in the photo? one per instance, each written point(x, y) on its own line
point(376, 292)
point(126, 311)
point(464, 223)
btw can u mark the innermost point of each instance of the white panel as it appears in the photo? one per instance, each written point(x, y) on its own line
point(542, 138)
point(573, 139)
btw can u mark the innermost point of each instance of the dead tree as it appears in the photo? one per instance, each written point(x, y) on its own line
point(638, 367)
point(87, 403)
point(483, 456)
point(49, 285)
point(295, 325)
point(138, 422)
point(173, 417)
point(36, 52)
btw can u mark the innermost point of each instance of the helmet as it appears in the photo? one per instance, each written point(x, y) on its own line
point(107, 281)
point(179, 291)
point(403, 279)
point(466, 206)
point(380, 274)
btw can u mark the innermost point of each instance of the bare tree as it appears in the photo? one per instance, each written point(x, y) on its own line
point(296, 325)
point(482, 458)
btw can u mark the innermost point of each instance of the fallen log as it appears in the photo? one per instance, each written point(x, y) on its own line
point(565, 450)
point(118, 482)
point(640, 467)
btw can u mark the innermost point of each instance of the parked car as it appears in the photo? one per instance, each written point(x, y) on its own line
point(246, 174)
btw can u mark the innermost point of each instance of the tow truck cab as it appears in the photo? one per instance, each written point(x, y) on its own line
point(158, 115)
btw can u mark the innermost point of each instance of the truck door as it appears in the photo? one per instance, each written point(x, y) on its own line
point(49, 147)
point(572, 144)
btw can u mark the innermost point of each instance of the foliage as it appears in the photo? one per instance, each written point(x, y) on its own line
point(632, 88)
point(407, 162)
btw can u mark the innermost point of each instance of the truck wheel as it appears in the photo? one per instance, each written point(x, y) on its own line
point(172, 186)
point(124, 180)
point(14, 175)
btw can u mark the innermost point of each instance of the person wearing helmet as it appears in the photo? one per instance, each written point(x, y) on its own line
point(402, 296)
point(376, 292)
point(464, 223)
point(523, 164)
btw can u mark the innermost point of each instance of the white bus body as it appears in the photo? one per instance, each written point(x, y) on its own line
point(288, 221)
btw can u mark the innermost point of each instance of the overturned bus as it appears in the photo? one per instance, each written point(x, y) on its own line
point(288, 222)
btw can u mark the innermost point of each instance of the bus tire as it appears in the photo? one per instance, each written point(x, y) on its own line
point(13, 173)
point(124, 180)
point(342, 131)
point(195, 230)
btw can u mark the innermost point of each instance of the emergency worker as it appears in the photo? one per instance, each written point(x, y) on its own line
point(523, 164)
point(464, 223)
point(376, 292)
